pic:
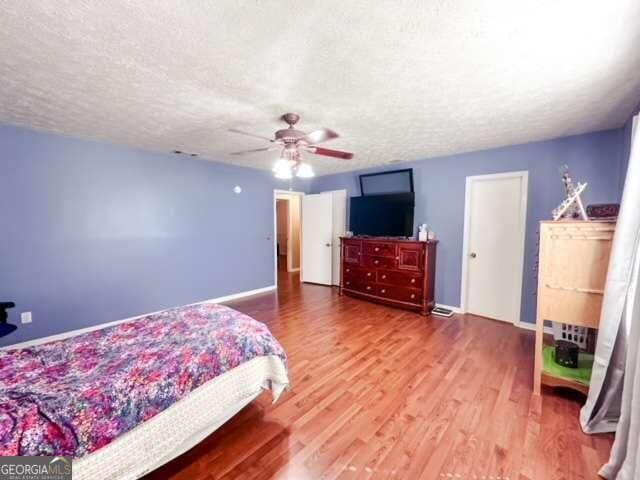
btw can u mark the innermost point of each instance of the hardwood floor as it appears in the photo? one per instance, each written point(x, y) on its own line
point(384, 393)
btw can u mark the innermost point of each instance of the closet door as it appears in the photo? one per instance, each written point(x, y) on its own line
point(494, 258)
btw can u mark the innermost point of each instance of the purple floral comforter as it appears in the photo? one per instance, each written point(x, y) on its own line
point(73, 396)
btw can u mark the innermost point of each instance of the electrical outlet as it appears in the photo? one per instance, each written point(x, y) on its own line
point(25, 317)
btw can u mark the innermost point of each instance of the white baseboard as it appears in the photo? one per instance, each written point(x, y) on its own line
point(524, 325)
point(532, 326)
point(449, 307)
point(79, 331)
point(234, 296)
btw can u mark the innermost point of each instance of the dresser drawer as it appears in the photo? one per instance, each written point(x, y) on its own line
point(379, 262)
point(359, 273)
point(350, 270)
point(408, 295)
point(400, 279)
point(360, 286)
point(380, 249)
point(352, 283)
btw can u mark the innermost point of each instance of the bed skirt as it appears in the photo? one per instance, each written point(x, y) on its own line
point(185, 423)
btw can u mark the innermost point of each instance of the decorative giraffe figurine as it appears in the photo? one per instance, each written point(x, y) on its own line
point(571, 207)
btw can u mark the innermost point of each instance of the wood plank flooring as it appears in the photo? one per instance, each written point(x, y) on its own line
point(383, 393)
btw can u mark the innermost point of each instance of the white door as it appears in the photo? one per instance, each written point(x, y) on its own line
point(317, 232)
point(339, 199)
point(495, 218)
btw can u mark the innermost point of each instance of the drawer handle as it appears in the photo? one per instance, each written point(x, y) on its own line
point(348, 270)
point(384, 276)
point(348, 283)
point(368, 274)
point(413, 280)
point(376, 262)
point(397, 258)
point(376, 249)
point(413, 295)
point(368, 288)
point(383, 291)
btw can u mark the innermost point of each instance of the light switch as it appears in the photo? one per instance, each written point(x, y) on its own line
point(25, 317)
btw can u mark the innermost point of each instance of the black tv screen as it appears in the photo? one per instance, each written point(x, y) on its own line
point(382, 215)
point(383, 183)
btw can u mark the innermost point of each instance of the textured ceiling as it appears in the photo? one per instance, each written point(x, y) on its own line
point(399, 80)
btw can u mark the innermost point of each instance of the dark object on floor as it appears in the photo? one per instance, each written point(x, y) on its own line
point(443, 312)
point(567, 354)
point(603, 211)
point(6, 328)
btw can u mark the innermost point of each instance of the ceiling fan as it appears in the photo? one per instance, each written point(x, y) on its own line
point(291, 143)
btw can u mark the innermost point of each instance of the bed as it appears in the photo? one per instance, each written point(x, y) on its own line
point(125, 399)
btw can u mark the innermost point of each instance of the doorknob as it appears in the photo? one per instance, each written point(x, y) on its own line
point(327, 244)
point(473, 255)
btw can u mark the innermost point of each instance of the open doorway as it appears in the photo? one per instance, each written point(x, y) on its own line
point(288, 217)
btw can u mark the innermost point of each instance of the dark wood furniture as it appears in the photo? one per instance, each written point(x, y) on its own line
point(400, 273)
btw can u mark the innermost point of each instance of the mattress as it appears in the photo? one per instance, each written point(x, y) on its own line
point(125, 399)
point(73, 397)
point(185, 423)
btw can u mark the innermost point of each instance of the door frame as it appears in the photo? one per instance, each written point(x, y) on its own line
point(523, 175)
point(277, 191)
point(290, 236)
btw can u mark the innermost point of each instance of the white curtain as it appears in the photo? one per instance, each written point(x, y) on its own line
point(615, 381)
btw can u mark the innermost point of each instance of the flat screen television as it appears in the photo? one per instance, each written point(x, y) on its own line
point(382, 183)
point(382, 215)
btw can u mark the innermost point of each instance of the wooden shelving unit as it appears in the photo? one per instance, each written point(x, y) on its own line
point(573, 262)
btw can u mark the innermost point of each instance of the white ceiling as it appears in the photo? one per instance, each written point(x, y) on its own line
point(397, 79)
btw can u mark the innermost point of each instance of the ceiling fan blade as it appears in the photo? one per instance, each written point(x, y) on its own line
point(330, 153)
point(319, 136)
point(246, 152)
point(251, 135)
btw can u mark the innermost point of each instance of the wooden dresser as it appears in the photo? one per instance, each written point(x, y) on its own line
point(400, 273)
point(573, 263)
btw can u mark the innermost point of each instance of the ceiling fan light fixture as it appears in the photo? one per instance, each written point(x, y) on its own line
point(282, 169)
point(284, 175)
point(281, 164)
point(305, 170)
point(291, 142)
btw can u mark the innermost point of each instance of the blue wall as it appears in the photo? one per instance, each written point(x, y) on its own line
point(92, 233)
point(439, 184)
